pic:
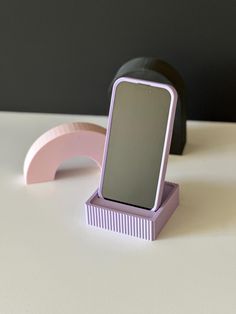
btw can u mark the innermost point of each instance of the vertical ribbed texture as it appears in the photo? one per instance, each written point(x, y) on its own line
point(119, 222)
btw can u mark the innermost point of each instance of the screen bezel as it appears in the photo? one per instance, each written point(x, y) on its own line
point(167, 141)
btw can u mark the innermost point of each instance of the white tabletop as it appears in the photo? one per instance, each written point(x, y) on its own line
point(51, 262)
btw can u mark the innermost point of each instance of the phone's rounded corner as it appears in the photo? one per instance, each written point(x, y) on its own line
point(170, 88)
point(117, 82)
point(99, 192)
point(156, 206)
point(153, 209)
point(122, 79)
point(172, 91)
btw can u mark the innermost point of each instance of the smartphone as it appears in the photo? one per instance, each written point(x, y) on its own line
point(137, 143)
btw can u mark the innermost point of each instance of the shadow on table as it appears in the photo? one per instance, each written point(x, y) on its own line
point(77, 167)
point(205, 208)
point(63, 174)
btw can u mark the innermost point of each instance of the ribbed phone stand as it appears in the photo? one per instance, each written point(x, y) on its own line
point(130, 220)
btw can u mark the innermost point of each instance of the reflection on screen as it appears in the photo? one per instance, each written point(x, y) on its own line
point(136, 143)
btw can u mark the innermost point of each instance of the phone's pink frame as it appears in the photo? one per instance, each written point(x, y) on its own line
point(168, 136)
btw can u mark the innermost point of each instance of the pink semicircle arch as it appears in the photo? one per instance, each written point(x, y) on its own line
point(61, 143)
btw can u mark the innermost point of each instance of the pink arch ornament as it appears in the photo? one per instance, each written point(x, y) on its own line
point(61, 143)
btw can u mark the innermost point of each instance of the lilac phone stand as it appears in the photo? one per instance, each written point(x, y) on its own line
point(130, 220)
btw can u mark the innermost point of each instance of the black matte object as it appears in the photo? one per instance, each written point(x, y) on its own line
point(153, 69)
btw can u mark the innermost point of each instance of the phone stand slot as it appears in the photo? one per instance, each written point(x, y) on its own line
point(130, 220)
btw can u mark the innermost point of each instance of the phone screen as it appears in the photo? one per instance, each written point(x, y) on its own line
point(136, 140)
